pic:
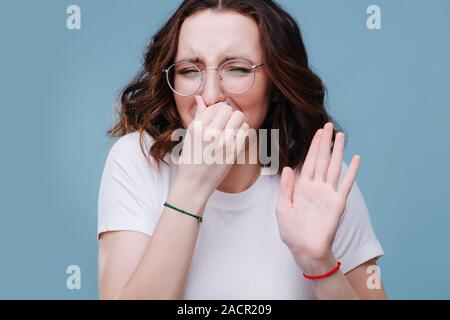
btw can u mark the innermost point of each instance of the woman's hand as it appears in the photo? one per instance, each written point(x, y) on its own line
point(309, 210)
point(218, 128)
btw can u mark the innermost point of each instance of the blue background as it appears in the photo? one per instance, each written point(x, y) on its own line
point(388, 88)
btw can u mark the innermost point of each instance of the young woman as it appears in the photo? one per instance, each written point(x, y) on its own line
point(303, 233)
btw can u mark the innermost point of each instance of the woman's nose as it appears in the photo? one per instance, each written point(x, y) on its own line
point(212, 91)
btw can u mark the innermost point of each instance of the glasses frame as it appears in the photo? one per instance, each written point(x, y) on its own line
point(252, 66)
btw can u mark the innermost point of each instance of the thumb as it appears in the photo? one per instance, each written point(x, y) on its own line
point(287, 184)
point(201, 106)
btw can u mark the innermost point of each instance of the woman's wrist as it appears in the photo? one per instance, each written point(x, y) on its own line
point(188, 195)
point(313, 266)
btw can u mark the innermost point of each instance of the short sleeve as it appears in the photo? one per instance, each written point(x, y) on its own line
point(355, 241)
point(129, 195)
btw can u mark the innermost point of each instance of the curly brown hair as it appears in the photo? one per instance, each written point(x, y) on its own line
point(297, 106)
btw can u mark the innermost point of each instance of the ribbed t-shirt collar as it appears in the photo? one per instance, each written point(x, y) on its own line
point(244, 199)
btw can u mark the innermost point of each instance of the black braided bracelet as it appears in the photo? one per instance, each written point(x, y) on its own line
point(199, 218)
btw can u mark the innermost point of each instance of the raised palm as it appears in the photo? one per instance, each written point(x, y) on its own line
point(309, 210)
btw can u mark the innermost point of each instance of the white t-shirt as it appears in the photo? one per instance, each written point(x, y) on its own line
point(239, 253)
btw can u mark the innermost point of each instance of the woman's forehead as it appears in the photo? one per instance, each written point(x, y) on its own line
point(218, 35)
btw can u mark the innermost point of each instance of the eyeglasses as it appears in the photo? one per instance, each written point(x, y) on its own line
point(236, 76)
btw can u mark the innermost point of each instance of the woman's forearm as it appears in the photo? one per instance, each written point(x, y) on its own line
point(335, 287)
point(162, 271)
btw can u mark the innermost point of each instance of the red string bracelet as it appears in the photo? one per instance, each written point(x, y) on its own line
point(321, 276)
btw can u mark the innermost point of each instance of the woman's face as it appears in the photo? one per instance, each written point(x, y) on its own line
point(211, 36)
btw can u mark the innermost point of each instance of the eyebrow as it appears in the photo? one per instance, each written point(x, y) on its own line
point(198, 60)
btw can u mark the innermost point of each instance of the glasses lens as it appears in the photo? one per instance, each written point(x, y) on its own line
point(184, 78)
point(237, 76)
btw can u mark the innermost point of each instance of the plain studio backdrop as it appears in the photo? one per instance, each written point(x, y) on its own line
point(389, 88)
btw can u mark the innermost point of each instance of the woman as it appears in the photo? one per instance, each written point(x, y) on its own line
point(303, 233)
